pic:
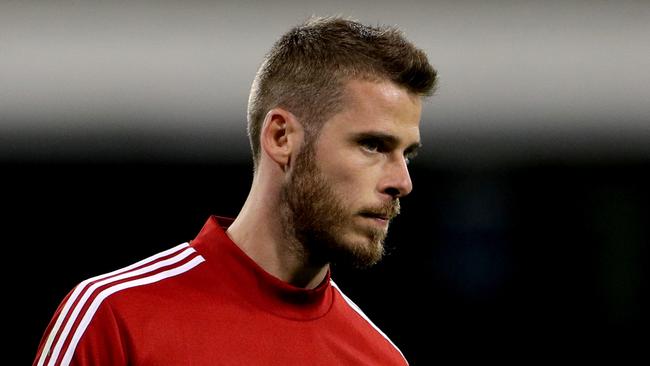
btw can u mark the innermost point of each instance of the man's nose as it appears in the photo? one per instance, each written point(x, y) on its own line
point(396, 179)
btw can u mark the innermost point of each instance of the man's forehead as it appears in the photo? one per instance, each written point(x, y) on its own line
point(378, 88)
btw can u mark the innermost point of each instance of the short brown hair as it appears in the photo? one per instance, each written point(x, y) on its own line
point(307, 68)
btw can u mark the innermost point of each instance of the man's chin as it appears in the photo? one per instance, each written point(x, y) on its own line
point(361, 252)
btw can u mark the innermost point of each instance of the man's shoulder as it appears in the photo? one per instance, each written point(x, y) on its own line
point(350, 306)
point(92, 315)
point(168, 265)
point(363, 331)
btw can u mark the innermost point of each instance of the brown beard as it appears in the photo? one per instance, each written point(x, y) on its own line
point(316, 217)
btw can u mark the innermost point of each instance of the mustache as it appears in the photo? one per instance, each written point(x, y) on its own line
point(388, 210)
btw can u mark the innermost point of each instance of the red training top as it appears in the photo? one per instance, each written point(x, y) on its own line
point(208, 303)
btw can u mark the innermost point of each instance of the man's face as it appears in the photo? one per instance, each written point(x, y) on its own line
point(345, 187)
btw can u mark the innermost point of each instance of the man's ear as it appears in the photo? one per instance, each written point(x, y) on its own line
point(281, 136)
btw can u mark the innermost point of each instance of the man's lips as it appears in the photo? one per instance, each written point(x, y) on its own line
point(385, 212)
point(375, 216)
point(378, 215)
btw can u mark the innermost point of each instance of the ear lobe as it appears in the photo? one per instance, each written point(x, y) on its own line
point(280, 136)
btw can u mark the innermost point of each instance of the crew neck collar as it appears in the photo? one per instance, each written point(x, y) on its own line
point(250, 280)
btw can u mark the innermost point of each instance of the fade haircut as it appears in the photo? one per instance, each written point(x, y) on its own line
point(306, 70)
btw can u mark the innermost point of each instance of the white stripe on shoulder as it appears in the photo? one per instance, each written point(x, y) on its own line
point(82, 287)
point(67, 357)
point(84, 299)
point(361, 313)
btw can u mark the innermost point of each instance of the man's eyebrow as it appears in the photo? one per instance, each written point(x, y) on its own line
point(388, 140)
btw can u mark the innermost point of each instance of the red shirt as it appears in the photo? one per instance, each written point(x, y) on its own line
point(208, 303)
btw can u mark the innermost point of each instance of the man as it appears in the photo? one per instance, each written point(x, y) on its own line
point(333, 120)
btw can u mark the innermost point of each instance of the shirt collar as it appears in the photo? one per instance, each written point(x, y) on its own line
point(248, 279)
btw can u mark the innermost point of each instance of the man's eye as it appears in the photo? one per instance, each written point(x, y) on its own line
point(370, 146)
point(408, 157)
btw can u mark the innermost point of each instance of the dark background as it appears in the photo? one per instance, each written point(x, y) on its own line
point(541, 259)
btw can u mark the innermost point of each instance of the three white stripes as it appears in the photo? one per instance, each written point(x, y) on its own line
point(183, 251)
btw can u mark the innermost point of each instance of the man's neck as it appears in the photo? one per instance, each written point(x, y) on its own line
point(258, 231)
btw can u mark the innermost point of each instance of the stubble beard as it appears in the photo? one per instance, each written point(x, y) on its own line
point(315, 219)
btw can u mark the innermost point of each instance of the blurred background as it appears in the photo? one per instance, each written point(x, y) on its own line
point(122, 128)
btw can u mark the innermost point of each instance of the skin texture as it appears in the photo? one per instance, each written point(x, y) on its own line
point(330, 199)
